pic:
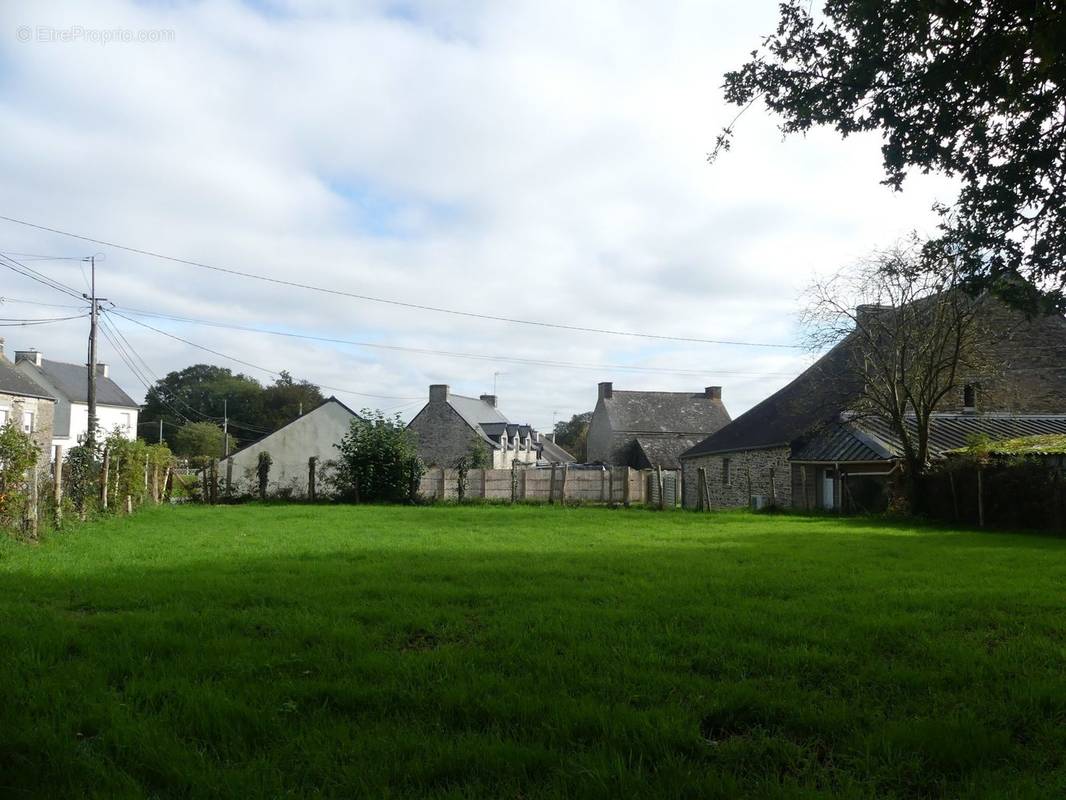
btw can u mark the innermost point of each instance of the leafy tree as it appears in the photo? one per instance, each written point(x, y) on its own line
point(974, 90)
point(572, 435)
point(18, 454)
point(286, 399)
point(200, 440)
point(199, 391)
point(475, 457)
point(379, 462)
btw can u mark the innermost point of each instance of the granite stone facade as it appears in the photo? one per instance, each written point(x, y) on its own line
point(764, 472)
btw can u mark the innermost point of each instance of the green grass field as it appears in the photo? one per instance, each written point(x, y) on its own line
point(294, 651)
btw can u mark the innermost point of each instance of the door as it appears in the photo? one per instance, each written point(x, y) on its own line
point(828, 489)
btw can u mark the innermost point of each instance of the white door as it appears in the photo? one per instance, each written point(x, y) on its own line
point(828, 495)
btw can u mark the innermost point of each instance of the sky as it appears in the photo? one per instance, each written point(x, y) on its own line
point(541, 161)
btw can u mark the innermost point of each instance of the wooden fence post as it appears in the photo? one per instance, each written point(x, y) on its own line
point(701, 477)
point(610, 486)
point(980, 499)
point(603, 484)
point(214, 481)
point(443, 484)
point(626, 471)
point(514, 481)
point(312, 462)
point(484, 483)
point(773, 489)
point(562, 487)
point(662, 487)
point(168, 484)
point(29, 523)
point(146, 477)
point(57, 487)
point(129, 504)
point(104, 467)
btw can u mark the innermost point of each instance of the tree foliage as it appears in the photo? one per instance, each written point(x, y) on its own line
point(572, 434)
point(974, 90)
point(202, 391)
point(379, 461)
point(475, 457)
point(18, 455)
point(200, 440)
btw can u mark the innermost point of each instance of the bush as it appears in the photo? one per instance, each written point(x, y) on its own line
point(18, 455)
point(379, 462)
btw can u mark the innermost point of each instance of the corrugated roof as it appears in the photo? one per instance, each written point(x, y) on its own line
point(664, 412)
point(12, 381)
point(873, 439)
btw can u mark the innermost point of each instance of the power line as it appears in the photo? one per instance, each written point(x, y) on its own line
point(14, 323)
point(267, 370)
point(425, 351)
point(37, 303)
point(28, 272)
point(400, 303)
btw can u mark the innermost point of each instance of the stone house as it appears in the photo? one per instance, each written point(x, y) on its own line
point(28, 405)
point(449, 424)
point(68, 383)
point(650, 429)
point(804, 447)
point(314, 434)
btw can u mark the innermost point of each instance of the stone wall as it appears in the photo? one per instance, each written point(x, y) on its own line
point(750, 474)
point(43, 420)
point(441, 434)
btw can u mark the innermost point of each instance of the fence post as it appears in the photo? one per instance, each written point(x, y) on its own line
point(214, 481)
point(484, 483)
point(312, 462)
point(680, 486)
point(603, 483)
point(551, 486)
point(700, 475)
point(168, 485)
point(525, 484)
point(129, 504)
point(626, 471)
point(146, 477)
point(57, 487)
point(980, 499)
point(773, 489)
point(662, 487)
point(443, 483)
point(514, 481)
point(104, 479)
point(610, 486)
point(29, 523)
point(562, 488)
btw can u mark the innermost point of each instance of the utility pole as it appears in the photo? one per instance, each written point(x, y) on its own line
point(94, 311)
point(225, 428)
point(161, 430)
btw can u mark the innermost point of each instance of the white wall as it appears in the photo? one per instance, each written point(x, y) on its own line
point(313, 434)
point(107, 418)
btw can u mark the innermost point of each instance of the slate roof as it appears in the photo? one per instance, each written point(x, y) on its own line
point(12, 381)
point(664, 412)
point(816, 397)
point(665, 451)
point(70, 380)
point(476, 411)
point(873, 439)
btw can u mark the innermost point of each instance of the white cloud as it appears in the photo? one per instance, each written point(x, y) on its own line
point(534, 160)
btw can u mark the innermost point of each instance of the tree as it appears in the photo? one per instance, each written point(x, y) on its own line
point(974, 90)
point(475, 457)
point(572, 435)
point(200, 393)
point(379, 461)
point(911, 336)
point(200, 440)
point(285, 399)
point(18, 455)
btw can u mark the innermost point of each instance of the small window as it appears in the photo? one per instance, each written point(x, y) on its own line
point(969, 396)
point(126, 422)
point(727, 478)
point(27, 422)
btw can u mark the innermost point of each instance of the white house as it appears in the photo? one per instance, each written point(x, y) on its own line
point(68, 383)
point(313, 434)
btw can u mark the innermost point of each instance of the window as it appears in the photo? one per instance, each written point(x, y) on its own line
point(27, 422)
point(727, 479)
point(969, 396)
point(126, 422)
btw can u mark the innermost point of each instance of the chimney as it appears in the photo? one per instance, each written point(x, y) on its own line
point(102, 371)
point(438, 392)
point(490, 399)
point(606, 390)
point(865, 313)
point(713, 392)
point(28, 355)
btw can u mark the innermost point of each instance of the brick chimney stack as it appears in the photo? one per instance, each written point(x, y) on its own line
point(713, 392)
point(606, 390)
point(490, 399)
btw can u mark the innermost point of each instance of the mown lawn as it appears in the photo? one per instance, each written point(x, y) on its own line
point(530, 652)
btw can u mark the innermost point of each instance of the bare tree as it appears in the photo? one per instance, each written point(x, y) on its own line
point(911, 333)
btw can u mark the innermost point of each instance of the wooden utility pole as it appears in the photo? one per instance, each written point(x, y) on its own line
point(94, 313)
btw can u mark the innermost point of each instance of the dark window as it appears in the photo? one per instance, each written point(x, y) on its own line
point(969, 396)
point(726, 478)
